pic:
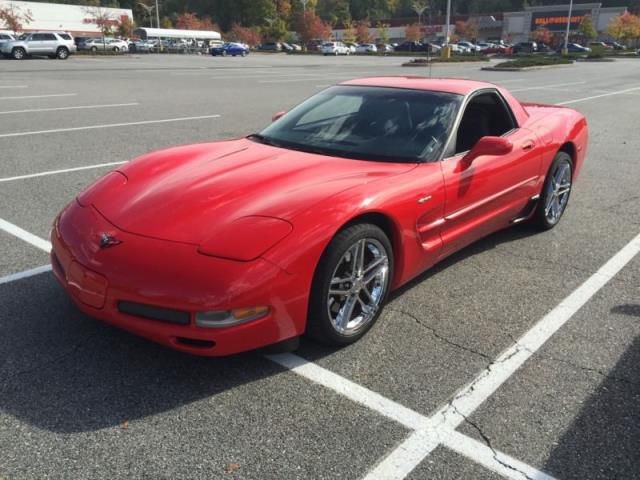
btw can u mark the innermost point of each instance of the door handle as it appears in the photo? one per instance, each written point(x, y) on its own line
point(528, 145)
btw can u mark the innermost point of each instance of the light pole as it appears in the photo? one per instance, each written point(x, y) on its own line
point(419, 8)
point(446, 41)
point(158, 23)
point(148, 9)
point(565, 50)
point(304, 18)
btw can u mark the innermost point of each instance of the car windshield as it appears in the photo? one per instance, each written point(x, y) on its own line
point(368, 123)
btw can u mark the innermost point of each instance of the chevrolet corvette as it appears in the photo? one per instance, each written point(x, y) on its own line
point(306, 227)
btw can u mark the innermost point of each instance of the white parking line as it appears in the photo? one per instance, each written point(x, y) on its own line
point(468, 399)
point(26, 97)
point(493, 460)
point(26, 274)
point(439, 428)
point(28, 237)
point(13, 86)
point(544, 87)
point(619, 92)
point(78, 107)
point(351, 390)
point(107, 125)
point(65, 170)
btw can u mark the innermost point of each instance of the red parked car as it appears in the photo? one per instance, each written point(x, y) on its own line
point(308, 225)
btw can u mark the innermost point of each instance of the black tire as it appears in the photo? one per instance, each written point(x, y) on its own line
point(94, 49)
point(224, 53)
point(244, 54)
point(540, 217)
point(18, 53)
point(116, 49)
point(62, 53)
point(319, 324)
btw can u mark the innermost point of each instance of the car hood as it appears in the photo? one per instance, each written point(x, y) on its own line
point(184, 193)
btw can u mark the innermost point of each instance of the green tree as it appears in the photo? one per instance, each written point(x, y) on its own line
point(349, 34)
point(383, 32)
point(276, 31)
point(586, 29)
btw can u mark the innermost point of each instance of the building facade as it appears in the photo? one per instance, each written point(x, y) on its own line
point(519, 26)
point(76, 19)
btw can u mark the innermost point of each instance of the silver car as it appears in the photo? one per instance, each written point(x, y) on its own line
point(51, 44)
point(106, 45)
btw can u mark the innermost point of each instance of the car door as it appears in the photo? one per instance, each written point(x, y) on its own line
point(35, 43)
point(492, 190)
point(49, 43)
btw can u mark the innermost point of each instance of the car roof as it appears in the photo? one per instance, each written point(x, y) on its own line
point(447, 85)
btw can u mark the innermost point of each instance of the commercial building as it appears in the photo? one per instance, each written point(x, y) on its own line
point(518, 26)
point(76, 19)
point(509, 26)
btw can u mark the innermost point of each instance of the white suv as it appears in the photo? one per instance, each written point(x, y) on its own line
point(51, 44)
point(335, 48)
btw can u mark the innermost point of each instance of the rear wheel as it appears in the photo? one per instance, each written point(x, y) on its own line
point(94, 49)
point(18, 53)
point(350, 285)
point(62, 53)
point(224, 53)
point(116, 49)
point(244, 54)
point(555, 192)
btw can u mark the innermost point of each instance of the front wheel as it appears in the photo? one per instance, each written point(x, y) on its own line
point(244, 54)
point(555, 192)
point(350, 285)
point(18, 53)
point(224, 53)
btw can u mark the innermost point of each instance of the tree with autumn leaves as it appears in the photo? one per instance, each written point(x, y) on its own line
point(310, 26)
point(625, 27)
point(14, 18)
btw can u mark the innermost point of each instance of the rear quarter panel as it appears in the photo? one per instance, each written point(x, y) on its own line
point(556, 127)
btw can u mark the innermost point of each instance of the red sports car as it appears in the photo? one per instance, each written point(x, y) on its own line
point(308, 225)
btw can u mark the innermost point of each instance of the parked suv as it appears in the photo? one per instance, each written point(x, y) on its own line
point(52, 44)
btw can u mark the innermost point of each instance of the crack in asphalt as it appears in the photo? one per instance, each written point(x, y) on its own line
point(440, 337)
point(487, 441)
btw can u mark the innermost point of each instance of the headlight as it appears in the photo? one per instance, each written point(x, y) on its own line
point(246, 238)
point(228, 318)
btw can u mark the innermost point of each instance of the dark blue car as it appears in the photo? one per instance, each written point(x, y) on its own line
point(232, 49)
point(576, 48)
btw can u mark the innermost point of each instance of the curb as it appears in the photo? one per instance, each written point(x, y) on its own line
point(524, 69)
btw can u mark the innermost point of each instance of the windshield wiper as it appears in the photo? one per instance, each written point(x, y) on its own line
point(262, 139)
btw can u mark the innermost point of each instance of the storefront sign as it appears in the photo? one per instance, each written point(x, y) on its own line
point(557, 21)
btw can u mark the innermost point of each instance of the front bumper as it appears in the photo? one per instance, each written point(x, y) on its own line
point(173, 279)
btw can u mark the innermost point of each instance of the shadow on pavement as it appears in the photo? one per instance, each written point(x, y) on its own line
point(64, 372)
point(604, 440)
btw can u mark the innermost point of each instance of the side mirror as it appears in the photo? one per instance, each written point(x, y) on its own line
point(488, 146)
point(277, 116)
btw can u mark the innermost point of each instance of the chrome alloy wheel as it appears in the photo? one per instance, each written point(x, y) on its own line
point(358, 285)
point(558, 191)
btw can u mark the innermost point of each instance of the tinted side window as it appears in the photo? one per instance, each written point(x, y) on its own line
point(48, 36)
point(65, 36)
point(36, 37)
point(485, 115)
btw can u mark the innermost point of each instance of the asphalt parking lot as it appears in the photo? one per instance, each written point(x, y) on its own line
point(516, 358)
